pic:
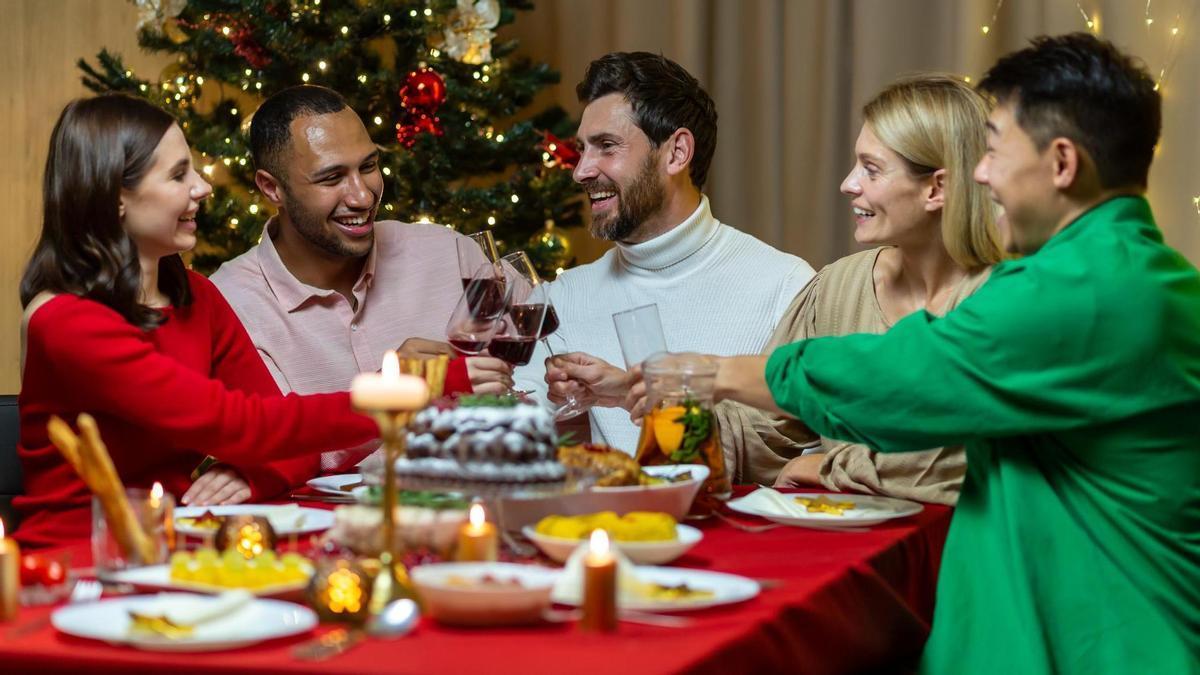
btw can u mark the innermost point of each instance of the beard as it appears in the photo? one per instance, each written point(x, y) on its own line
point(636, 203)
point(314, 228)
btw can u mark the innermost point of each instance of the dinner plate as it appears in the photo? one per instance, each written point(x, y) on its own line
point(108, 621)
point(726, 589)
point(640, 552)
point(336, 485)
point(159, 576)
point(285, 519)
point(782, 508)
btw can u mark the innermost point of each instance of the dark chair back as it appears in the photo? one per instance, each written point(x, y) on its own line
point(10, 464)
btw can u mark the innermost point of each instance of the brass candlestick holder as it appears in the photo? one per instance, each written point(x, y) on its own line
point(388, 586)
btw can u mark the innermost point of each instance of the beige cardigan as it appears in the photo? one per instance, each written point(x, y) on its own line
point(838, 301)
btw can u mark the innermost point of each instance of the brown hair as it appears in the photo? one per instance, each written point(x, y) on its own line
point(99, 146)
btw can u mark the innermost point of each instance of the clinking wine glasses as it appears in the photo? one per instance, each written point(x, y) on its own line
point(476, 317)
point(528, 310)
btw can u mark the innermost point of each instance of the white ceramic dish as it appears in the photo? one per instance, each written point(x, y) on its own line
point(726, 589)
point(674, 499)
point(447, 599)
point(108, 621)
point(868, 509)
point(285, 518)
point(159, 577)
point(640, 552)
point(335, 485)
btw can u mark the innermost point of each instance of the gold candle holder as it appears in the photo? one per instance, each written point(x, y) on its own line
point(10, 576)
point(388, 586)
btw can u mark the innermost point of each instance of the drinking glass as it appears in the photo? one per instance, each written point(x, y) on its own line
point(521, 327)
point(156, 516)
point(473, 251)
point(520, 263)
point(476, 315)
point(640, 334)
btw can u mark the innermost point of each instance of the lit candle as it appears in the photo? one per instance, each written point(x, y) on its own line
point(156, 495)
point(388, 390)
point(477, 539)
point(10, 576)
point(599, 586)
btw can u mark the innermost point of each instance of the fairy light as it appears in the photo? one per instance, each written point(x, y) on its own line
point(378, 120)
point(129, 73)
point(208, 169)
point(345, 30)
point(515, 199)
point(987, 27)
point(234, 221)
point(233, 111)
point(485, 78)
point(499, 138)
point(476, 75)
point(387, 171)
point(428, 12)
point(253, 209)
point(142, 87)
point(249, 72)
point(225, 31)
point(1196, 203)
point(435, 52)
point(491, 220)
point(1093, 22)
point(258, 85)
point(362, 78)
point(424, 219)
point(199, 79)
point(413, 13)
point(321, 65)
point(558, 271)
point(304, 77)
point(227, 161)
point(241, 161)
point(227, 141)
point(387, 18)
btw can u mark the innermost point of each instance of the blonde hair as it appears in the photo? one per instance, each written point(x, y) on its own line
point(936, 121)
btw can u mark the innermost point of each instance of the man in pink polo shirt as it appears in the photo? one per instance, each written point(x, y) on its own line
point(329, 289)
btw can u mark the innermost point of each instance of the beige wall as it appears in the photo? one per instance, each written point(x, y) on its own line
point(40, 40)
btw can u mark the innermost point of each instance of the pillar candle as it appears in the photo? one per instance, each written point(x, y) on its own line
point(477, 540)
point(599, 586)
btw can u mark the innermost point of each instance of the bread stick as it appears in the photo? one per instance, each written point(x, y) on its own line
point(107, 486)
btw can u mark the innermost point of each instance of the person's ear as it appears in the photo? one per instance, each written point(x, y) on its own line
point(271, 187)
point(1065, 159)
point(935, 191)
point(679, 149)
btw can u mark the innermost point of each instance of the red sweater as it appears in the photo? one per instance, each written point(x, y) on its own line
point(163, 399)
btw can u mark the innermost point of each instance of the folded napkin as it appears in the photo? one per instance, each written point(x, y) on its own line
point(768, 500)
point(569, 586)
point(186, 610)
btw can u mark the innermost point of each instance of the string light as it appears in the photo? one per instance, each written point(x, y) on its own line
point(227, 161)
point(225, 30)
point(304, 77)
point(515, 199)
point(208, 169)
point(387, 18)
point(1093, 22)
point(413, 13)
point(485, 78)
point(987, 27)
point(253, 209)
point(199, 79)
point(378, 120)
point(387, 171)
point(424, 219)
point(491, 220)
point(233, 111)
point(362, 78)
point(1196, 203)
point(428, 12)
point(499, 138)
point(321, 65)
point(345, 30)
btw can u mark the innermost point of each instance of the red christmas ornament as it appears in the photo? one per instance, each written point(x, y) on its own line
point(424, 91)
point(417, 124)
point(562, 152)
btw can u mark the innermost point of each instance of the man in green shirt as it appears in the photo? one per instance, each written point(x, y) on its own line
point(1072, 377)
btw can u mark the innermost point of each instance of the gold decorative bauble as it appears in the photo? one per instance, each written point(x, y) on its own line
point(175, 32)
point(550, 248)
point(248, 535)
point(340, 590)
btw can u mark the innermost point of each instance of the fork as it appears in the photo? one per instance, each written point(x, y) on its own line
point(85, 591)
point(752, 529)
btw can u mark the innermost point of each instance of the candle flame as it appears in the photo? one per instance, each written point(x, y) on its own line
point(156, 492)
point(1, 528)
point(599, 543)
point(391, 366)
point(477, 516)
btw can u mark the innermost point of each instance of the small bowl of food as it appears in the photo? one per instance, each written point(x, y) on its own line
point(645, 538)
point(484, 594)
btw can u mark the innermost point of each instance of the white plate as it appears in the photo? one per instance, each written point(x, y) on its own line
point(727, 589)
point(640, 552)
point(868, 510)
point(285, 519)
point(108, 620)
point(333, 484)
point(159, 576)
point(674, 499)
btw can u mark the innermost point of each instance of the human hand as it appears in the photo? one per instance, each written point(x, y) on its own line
point(635, 400)
point(489, 375)
point(219, 485)
point(602, 383)
point(801, 471)
point(420, 348)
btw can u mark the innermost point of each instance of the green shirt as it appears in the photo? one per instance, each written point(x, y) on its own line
point(1073, 378)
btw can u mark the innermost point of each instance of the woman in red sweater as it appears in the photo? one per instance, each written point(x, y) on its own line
point(116, 326)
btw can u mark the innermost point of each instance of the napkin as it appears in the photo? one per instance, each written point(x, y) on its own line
point(188, 610)
point(768, 500)
point(570, 583)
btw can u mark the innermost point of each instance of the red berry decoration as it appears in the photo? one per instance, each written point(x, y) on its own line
point(31, 569)
point(424, 91)
point(53, 573)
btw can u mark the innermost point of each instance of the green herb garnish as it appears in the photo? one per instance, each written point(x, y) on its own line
point(697, 427)
point(488, 401)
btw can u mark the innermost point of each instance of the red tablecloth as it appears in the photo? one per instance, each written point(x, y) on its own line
point(848, 602)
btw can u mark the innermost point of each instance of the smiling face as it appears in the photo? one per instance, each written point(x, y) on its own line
point(160, 212)
point(1020, 178)
point(890, 205)
point(333, 184)
point(619, 168)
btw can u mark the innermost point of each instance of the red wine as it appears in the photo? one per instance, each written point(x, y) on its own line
point(485, 296)
point(467, 345)
point(513, 349)
point(526, 316)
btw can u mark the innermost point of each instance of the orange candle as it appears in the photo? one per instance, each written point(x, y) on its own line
point(10, 576)
point(599, 586)
point(477, 540)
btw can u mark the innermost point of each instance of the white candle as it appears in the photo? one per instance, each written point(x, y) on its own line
point(388, 390)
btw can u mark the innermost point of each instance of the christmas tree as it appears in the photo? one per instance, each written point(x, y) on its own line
point(443, 98)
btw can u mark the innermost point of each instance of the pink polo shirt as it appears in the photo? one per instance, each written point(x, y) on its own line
point(313, 341)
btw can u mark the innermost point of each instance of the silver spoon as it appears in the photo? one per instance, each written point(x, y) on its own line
point(397, 619)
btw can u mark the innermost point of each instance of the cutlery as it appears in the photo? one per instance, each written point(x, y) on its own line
point(84, 591)
point(324, 498)
point(327, 646)
point(752, 529)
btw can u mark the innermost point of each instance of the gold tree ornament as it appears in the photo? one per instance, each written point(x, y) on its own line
point(249, 535)
point(469, 36)
point(174, 31)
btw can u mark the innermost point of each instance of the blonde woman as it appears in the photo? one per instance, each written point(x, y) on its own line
point(933, 229)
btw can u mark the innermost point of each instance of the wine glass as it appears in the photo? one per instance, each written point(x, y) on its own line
point(520, 263)
point(521, 327)
point(477, 314)
point(473, 251)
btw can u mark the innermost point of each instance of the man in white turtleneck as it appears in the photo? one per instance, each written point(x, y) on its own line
point(647, 138)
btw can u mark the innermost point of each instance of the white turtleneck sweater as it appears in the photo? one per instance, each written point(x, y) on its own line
point(719, 291)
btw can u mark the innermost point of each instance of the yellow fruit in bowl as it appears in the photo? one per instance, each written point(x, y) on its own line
point(667, 431)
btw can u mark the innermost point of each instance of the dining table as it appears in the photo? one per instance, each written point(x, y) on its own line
point(831, 601)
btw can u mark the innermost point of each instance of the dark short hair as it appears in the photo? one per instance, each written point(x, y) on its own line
point(100, 146)
point(1083, 88)
point(664, 98)
point(271, 126)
